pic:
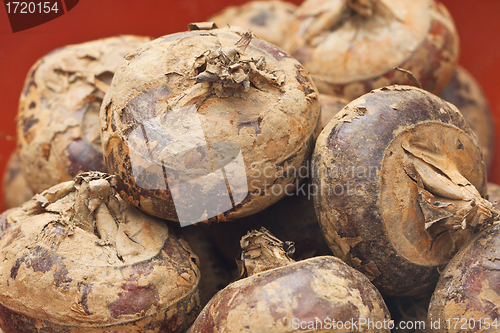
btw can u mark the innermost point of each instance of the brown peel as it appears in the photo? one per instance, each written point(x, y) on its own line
point(58, 126)
point(130, 272)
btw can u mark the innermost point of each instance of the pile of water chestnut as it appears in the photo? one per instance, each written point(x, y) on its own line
point(277, 168)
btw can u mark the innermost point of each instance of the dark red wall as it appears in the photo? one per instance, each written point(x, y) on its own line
point(477, 24)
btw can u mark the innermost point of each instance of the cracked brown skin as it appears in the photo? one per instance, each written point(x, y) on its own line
point(58, 130)
point(272, 116)
point(350, 51)
point(315, 288)
point(469, 285)
point(379, 227)
point(58, 277)
point(464, 92)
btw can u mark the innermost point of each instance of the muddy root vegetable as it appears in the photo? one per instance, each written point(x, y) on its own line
point(268, 20)
point(77, 258)
point(469, 287)
point(401, 185)
point(465, 93)
point(15, 187)
point(193, 122)
point(58, 127)
point(352, 46)
point(278, 295)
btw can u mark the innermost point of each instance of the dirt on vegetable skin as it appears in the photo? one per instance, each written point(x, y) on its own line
point(468, 287)
point(277, 294)
point(231, 92)
point(401, 187)
point(58, 129)
point(78, 258)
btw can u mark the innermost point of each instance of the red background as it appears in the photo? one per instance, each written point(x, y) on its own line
point(477, 24)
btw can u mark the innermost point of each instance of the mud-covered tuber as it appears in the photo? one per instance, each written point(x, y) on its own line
point(58, 129)
point(197, 124)
point(401, 186)
point(268, 20)
point(277, 294)
point(77, 258)
point(353, 46)
point(469, 287)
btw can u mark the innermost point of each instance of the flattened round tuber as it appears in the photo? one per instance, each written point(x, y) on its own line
point(278, 295)
point(353, 46)
point(401, 185)
point(77, 258)
point(58, 129)
point(194, 122)
point(469, 287)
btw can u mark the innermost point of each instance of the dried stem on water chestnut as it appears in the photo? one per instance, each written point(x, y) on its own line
point(293, 217)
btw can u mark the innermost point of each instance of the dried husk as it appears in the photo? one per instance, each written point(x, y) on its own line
point(469, 287)
point(15, 187)
point(401, 185)
point(185, 106)
point(58, 129)
point(353, 46)
point(268, 20)
point(464, 92)
point(77, 258)
point(274, 290)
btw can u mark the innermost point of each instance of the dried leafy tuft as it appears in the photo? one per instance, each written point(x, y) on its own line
point(262, 251)
point(228, 68)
